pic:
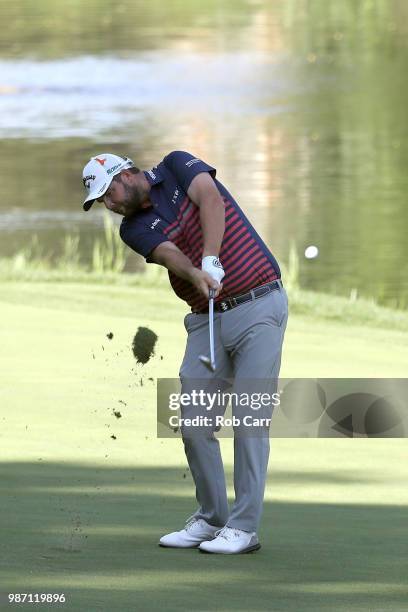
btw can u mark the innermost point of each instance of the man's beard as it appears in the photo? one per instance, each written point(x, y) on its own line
point(134, 198)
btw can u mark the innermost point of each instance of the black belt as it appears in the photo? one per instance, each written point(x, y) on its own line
point(232, 302)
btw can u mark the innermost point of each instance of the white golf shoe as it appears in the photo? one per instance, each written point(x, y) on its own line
point(195, 531)
point(231, 541)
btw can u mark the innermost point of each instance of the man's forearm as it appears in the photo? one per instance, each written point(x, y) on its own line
point(212, 219)
point(178, 263)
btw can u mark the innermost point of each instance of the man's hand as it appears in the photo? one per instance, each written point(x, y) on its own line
point(213, 266)
point(203, 282)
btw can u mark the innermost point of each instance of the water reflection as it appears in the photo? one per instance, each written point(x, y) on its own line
point(301, 107)
point(97, 97)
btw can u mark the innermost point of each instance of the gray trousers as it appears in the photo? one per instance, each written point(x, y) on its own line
point(248, 345)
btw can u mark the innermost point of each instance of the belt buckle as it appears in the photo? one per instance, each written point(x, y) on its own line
point(223, 306)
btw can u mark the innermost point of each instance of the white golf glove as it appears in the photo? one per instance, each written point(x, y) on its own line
point(213, 267)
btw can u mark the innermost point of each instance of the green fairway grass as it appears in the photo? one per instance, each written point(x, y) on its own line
point(81, 513)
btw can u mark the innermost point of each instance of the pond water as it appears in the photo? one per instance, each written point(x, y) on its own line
point(301, 106)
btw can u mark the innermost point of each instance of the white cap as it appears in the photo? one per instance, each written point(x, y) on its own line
point(99, 172)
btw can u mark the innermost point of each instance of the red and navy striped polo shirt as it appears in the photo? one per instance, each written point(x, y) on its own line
point(246, 259)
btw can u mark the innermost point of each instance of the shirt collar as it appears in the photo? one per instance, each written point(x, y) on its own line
point(153, 176)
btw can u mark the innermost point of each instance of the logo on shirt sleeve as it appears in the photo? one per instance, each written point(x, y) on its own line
point(192, 161)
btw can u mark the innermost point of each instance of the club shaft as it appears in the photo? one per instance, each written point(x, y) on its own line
point(211, 326)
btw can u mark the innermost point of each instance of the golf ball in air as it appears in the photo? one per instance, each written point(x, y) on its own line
point(311, 252)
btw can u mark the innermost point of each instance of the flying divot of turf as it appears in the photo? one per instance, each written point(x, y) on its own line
point(143, 344)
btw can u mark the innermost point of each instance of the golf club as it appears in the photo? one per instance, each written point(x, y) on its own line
point(209, 362)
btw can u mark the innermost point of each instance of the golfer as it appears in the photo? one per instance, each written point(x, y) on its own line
point(178, 215)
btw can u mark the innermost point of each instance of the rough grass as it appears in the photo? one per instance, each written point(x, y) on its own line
point(319, 306)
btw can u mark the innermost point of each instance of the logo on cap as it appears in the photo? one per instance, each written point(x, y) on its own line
point(100, 161)
point(87, 180)
point(110, 170)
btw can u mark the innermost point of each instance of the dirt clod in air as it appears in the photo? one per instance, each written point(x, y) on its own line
point(117, 414)
point(113, 437)
point(143, 344)
point(109, 336)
